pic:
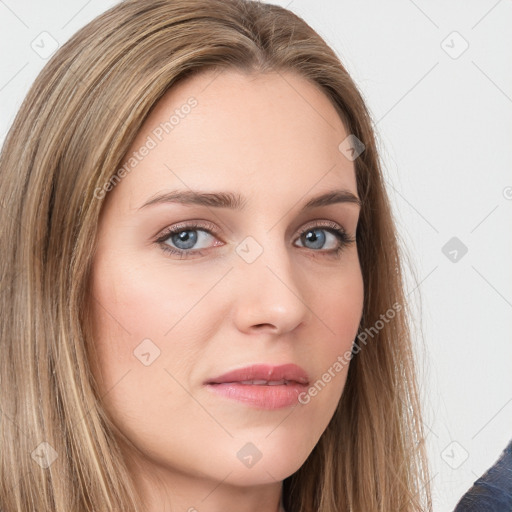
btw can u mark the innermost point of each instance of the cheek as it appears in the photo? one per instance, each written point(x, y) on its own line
point(149, 318)
point(141, 300)
point(339, 310)
point(340, 306)
point(141, 370)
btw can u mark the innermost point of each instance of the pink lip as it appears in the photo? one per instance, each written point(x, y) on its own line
point(262, 396)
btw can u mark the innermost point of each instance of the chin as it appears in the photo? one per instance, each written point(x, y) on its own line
point(265, 461)
point(262, 473)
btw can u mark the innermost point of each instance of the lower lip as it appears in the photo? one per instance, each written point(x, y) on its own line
point(262, 397)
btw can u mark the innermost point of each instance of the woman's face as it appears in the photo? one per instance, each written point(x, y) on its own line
point(260, 281)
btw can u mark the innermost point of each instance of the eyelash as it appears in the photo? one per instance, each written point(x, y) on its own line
point(343, 238)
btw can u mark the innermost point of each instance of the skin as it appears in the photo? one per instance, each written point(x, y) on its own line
point(274, 139)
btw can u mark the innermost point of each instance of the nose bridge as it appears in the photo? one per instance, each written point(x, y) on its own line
point(269, 291)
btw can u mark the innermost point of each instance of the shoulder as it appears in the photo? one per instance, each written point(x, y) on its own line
point(492, 492)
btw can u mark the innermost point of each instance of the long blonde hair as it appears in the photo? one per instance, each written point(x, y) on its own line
point(59, 451)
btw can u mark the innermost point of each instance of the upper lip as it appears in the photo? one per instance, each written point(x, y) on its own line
point(266, 372)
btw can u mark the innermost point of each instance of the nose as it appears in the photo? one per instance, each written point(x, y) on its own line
point(270, 294)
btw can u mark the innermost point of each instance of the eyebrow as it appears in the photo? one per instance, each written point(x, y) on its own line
point(235, 201)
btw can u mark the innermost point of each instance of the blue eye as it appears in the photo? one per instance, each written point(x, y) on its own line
point(317, 237)
point(186, 239)
point(180, 240)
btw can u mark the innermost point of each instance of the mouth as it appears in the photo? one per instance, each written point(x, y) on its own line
point(262, 386)
point(282, 382)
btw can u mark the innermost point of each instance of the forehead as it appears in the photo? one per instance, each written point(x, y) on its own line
point(258, 133)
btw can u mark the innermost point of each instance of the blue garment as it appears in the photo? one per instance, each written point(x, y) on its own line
point(492, 492)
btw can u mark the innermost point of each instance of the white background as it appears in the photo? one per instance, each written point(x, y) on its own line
point(444, 122)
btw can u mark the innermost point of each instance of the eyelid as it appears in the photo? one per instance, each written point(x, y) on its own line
point(183, 226)
point(208, 226)
point(322, 224)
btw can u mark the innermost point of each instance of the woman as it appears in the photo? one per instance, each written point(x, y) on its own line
point(203, 304)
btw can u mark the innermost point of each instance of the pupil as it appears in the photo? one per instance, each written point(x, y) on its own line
point(316, 237)
point(185, 239)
